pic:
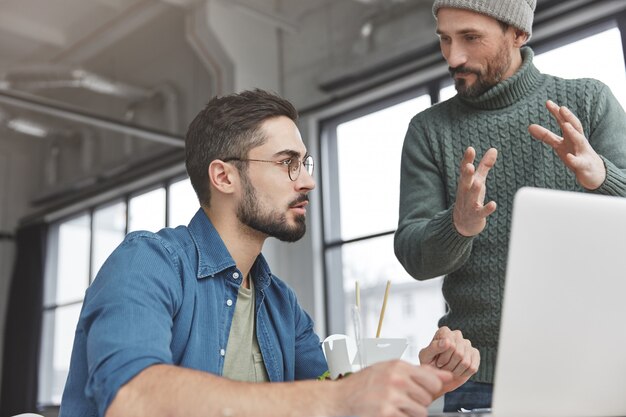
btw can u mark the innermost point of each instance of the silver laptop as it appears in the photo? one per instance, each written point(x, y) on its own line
point(562, 347)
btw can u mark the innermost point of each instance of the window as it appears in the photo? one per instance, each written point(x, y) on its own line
point(361, 195)
point(77, 248)
point(182, 203)
point(109, 228)
point(147, 211)
point(67, 278)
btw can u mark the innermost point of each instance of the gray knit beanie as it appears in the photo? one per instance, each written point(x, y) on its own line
point(517, 13)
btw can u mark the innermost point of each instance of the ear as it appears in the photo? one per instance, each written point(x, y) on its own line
point(223, 176)
point(521, 38)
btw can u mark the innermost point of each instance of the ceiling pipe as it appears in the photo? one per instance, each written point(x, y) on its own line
point(55, 76)
point(62, 111)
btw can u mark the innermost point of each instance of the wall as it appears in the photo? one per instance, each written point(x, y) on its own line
point(328, 46)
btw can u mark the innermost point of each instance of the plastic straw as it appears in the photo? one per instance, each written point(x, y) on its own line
point(356, 321)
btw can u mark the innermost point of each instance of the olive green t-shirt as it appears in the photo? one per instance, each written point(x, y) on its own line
point(243, 360)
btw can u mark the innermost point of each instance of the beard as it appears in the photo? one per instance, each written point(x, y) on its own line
point(485, 79)
point(270, 222)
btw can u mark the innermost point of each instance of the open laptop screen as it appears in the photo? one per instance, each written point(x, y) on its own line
point(562, 347)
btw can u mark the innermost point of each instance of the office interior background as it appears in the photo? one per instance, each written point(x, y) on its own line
point(95, 99)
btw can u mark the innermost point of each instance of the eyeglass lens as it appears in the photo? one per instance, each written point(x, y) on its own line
point(296, 164)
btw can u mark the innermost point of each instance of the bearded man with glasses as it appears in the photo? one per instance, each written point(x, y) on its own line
point(192, 322)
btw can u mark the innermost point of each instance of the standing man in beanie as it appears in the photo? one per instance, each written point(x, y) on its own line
point(544, 131)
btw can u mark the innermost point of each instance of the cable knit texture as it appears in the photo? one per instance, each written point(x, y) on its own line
point(426, 242)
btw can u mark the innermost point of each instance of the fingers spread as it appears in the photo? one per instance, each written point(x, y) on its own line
point(571, 118)
point(468, 156)
point(467, 168)
point(467, 176)
point(577, 140)
point(555, 110)
point(486, 163)
point(544, 135)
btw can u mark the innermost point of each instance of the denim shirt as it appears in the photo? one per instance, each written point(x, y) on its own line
point(169, 298)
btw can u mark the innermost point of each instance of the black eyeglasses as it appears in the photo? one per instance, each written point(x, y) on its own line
point(293, 165)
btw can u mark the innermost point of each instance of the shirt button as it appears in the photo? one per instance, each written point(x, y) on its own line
point(235, 275)
point(229, 303)
point(222, 352)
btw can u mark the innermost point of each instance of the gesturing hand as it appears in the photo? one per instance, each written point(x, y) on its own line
point(573, 147)
point(470, 213)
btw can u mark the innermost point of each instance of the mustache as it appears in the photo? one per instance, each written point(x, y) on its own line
point(301, 199)
point(462, 70)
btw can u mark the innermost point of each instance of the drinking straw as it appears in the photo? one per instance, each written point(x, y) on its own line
point(382, 311)
point(356, 321)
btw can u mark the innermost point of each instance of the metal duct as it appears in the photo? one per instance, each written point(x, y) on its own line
point(56, 109)
point(50, 76)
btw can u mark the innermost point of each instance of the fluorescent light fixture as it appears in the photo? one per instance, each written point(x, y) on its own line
point(27, 127)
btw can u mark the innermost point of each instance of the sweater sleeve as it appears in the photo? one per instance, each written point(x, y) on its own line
point(608, 138)
point(426, 242)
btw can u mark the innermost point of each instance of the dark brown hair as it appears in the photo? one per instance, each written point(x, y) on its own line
point(229, 127)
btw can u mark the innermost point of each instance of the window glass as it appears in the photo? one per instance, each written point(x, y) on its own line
point(147, 211)
point(599, 56)
point(183, 203)
point(59, 326)
point(447, 92)
point(70, 271)
point(109, 225)
point(369, 151)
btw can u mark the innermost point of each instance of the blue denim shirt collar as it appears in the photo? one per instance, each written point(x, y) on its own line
point(213, 256)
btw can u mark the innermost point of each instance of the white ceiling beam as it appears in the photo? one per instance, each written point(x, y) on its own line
point(32, 30)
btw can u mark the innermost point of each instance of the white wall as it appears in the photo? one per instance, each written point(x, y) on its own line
point(250, 42)
point(328, 45)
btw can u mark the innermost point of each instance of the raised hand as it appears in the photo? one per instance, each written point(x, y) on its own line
point(470, 211)
point(573, 147)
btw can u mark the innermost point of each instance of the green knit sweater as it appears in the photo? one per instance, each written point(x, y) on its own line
point(426, 242)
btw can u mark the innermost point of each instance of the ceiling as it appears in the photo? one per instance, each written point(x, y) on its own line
point(77, 73)
point(111, 63)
